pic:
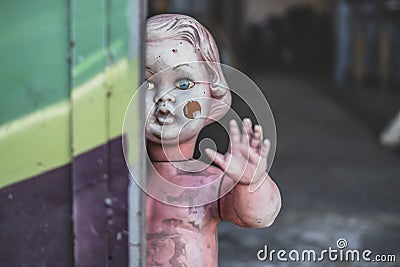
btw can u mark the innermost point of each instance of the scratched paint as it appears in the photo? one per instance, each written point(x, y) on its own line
point(191, 108)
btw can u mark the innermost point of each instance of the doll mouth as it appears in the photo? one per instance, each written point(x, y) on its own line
point(164, 115)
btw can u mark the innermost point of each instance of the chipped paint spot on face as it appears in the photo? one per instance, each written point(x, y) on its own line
point(174, 50)
point(191, 108)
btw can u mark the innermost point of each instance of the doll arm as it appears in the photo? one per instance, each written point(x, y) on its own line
point(255, 200)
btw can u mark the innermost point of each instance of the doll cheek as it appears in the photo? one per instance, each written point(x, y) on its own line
point(191, 108)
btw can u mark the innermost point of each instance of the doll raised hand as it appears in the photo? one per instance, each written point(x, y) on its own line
point(179, 103)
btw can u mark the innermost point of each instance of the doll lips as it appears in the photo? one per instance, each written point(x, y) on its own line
point(164, 115)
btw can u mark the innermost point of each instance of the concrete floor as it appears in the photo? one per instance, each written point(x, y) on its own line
point(335, 180)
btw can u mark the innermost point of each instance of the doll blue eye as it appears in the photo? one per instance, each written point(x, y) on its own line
point(184, 84)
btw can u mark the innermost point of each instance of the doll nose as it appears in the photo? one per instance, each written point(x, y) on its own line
point(164, 97)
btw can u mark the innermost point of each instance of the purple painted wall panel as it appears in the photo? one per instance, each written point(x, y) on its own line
point(36, 221)
point(100, 206)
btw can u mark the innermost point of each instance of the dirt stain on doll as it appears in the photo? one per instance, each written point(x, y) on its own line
point(167, 248)
point(195, 225)
point(190, 108)
point(187, 197)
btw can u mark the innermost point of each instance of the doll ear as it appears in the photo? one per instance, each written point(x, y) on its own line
point(220, 102)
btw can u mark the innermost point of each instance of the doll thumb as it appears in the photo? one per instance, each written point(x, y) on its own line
point(216, 157)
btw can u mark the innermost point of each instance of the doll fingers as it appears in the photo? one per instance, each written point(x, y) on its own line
point(257, 137)
point(247, 131)
point(258, 130)
point(216, 157)
point(255, 142)
point(234, 133)
point(265, 148)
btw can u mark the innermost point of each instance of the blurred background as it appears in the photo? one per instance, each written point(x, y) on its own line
point(330, 70)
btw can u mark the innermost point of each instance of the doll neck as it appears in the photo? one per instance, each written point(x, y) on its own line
point(183, 151)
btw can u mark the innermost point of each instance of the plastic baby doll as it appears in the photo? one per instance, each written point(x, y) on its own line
point(179, 234)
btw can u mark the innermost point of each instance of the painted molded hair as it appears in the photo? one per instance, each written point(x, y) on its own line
point(182, 27)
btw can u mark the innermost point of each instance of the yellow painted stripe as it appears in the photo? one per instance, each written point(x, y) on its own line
point(89, 114)
point(99, 106)
point(124, 82)
point(41, 141)
point(35, 143)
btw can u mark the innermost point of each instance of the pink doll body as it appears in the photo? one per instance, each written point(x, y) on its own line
point(182, 236)
point(179, 234)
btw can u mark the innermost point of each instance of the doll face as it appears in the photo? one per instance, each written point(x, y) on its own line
point(177, 92)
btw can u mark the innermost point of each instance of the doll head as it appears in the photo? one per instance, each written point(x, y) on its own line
point(186, 88)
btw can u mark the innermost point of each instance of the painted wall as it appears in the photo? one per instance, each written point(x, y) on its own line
point(69, 69)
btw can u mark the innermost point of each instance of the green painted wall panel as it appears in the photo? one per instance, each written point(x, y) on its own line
point(118, 29)
point(89, 39)
point(46, 113)
point(34, 56)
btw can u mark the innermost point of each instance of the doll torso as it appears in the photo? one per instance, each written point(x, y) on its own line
point(182, 236)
